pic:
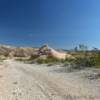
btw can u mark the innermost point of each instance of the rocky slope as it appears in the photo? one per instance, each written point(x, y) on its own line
point(11, 51)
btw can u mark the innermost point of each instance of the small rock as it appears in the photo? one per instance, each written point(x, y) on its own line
point(15, 83)
point(1, 76)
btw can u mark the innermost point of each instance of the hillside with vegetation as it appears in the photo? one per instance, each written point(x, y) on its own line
point(48, 74)
point(79, 57)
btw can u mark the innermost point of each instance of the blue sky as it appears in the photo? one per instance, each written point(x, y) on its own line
point(60, 23)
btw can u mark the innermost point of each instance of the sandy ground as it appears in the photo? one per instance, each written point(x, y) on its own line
point(20, 81)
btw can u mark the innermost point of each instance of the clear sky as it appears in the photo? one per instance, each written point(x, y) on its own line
point(60, 23)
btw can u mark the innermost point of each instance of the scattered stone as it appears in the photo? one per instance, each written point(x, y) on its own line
point(1, 76)
point(15, 82)
point(94, 76)
point(14, 93)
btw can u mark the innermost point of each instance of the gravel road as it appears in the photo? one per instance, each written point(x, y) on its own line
point(20, 81)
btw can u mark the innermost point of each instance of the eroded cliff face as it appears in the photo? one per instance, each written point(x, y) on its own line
point(46, 50)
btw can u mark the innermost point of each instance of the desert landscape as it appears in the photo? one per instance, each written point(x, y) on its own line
point(49, 49)
point(39, 80)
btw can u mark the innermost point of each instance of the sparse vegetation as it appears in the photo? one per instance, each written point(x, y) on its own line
point(48, 60)
point(1, 62)
point(24, 60)
point(91, 59)
point(40, 60)
point(84, 62)
point(83, 57)
point(68, 61)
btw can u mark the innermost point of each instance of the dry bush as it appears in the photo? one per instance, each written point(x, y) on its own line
point(48, 60)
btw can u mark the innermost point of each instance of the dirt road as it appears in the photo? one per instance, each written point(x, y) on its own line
point(20, 81)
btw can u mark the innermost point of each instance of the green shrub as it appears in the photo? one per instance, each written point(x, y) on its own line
point(52, 60)
point(40, 61)
point(68, 61)
point(2, 57)
point(96, 59)
point(25, 60)
point(48, 60)
point(85, 61)
point(1, 62)
point(89, 59)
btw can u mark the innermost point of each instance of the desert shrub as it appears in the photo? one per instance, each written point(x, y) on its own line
point(24, 60)
point(87, 59)
point(79, 62)
point(40, 61)
point(84, 61)
point(96, 59)
point(52, 60)
point(48, 60)
point(21, 59)
point(68, 61)
point(33, 57)
point(1, 62)
point(2, 57)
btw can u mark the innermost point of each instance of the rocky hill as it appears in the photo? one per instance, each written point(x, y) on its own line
point(7, 50)
point(12, 51)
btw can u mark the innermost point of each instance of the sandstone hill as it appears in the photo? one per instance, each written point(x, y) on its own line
point(12, 51)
